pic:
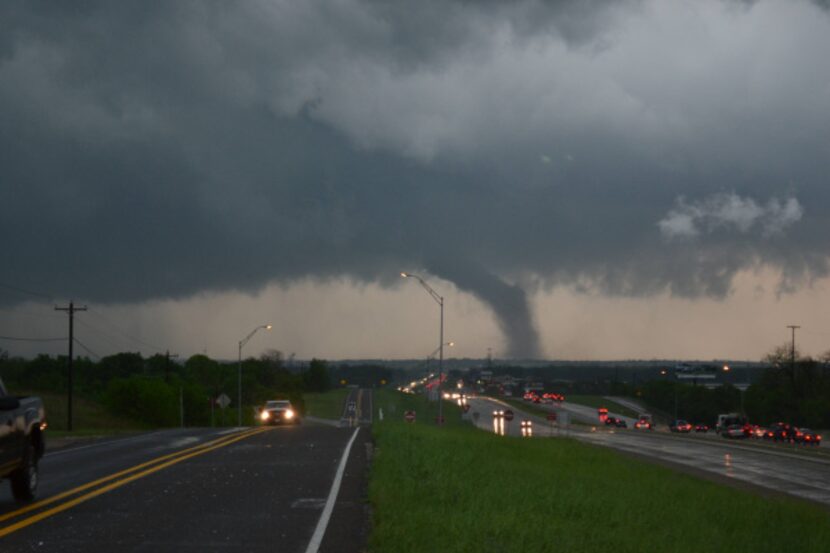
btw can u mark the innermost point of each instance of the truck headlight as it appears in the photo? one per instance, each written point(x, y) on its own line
point(289, 414)
point(265, 415)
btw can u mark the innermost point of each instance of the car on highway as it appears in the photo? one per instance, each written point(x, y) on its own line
point(278, 411)
point(737, 431)
point(22, 423)
point(616, 422)
point(805, 436)
point(702, 428)
point(781, 432)
point(644, 422)
point(758, 431)
point(680, 425)
point(728, 419)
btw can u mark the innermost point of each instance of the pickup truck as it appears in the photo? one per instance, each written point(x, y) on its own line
point(22, 423)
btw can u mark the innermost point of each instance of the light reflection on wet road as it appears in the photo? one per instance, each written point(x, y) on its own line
point(799, 475)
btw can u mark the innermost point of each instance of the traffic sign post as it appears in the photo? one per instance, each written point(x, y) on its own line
point(409, 416)
point(223, 401)
point(508, 415)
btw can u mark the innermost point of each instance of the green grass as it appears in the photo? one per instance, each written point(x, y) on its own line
point(454, 489)
point(328, 405)
point(599, 401)
point(394, 404)
point(88, 417)
point(526, 406)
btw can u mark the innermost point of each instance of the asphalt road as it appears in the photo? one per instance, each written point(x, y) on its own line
point(804, 474)
point(358, 408)
point(260, 489)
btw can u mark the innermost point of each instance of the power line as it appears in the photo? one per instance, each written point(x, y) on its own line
point(124, 333)
point(87, 349)
point(112, 340)
point(16, 339)
point(25, 291)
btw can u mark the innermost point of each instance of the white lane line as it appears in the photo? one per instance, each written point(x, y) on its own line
point(231, 430)
point(72, 449)
point(322, 524)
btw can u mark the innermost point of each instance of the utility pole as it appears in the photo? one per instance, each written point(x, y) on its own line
point(792, 351)
point(167, 357)
point(71, 310)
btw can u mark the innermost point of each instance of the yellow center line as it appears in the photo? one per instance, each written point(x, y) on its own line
point(62, 495)
point(69, 504)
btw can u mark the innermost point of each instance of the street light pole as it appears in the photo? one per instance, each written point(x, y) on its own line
point(440, 301)
point(239, 373)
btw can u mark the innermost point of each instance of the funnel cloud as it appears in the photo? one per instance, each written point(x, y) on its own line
point(157, 150)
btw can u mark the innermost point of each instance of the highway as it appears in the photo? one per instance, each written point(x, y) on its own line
point(780, 469)
point(243, 489)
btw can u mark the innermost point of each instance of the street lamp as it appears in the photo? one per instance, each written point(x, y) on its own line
point(440, 301)
point(239, 385)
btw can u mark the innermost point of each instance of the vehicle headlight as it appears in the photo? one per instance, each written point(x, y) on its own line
point(289, 414)
point(265, 415)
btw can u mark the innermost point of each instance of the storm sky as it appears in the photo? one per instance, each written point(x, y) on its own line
point(578, 179)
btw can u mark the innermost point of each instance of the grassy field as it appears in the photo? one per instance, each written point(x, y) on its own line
point(328, 405)
point(599, 401)
point(454, 489)
point(88, 418)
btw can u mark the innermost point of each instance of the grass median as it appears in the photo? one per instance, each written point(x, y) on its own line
point(454, 488)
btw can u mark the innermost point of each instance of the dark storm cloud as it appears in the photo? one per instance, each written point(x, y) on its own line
point(155, 149)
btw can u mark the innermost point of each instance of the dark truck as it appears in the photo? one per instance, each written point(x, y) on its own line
point(22, 422)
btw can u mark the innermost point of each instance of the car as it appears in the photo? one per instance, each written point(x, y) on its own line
point(702, 428)
point(805, 436)
point(758, 432)
point(680, 425)
point(644, 423)
point(781, 432)
point(729, 419)
point(278, 411)
point(22, 426)
point(616, 421)
point(736, 431)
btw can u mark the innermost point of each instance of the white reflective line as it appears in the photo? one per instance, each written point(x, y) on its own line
point(72, 449)
point(231, 430)
point(322, 524)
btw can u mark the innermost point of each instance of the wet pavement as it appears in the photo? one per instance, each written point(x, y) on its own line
point(786, 469)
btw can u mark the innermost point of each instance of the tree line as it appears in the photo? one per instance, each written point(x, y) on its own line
point(792, 388)
point(154, 390)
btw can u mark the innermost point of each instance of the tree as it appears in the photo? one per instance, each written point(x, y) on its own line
point(316, 378)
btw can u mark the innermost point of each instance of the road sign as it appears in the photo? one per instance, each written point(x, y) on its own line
point(508, 415)
point(551, 417)
point(223, 401)
point(409, 416)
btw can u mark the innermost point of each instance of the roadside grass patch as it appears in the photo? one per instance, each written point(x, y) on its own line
point(454, 489)
point(89, 418)
point(394, 404)
point(599, 401)
point(326, 405)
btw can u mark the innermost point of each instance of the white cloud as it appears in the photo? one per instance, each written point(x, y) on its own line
point(731, 212)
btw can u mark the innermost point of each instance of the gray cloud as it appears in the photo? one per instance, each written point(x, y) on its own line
point(155, 150)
